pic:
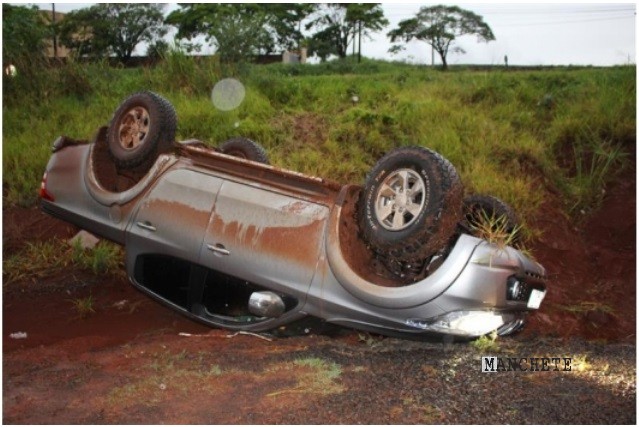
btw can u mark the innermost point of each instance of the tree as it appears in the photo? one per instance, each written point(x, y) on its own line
point(158, 49)
point(24, 31)
point(339, 23)
point(85, 32)
point(237, 30)
point(285, 20)
point(440, 26)
point(242, 30)
point(112, 28)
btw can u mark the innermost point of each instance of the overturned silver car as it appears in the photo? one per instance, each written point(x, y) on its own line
point(233, 242)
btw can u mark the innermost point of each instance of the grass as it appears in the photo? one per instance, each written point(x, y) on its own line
point(167, 372)
point(44, 259)
point(35, 260)
point(165, 375)
point(593, 164)
point(319, 377)
point(496, 230)
point(516, 135)
point(103, 258)
point(84, 306)
point(584, 307)
point(369, 340)
point(486, 343)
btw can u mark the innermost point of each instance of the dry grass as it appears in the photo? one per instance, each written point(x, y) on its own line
point(84, 306)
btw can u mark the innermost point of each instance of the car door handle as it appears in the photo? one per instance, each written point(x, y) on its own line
point(146, 225)
point(218, 249)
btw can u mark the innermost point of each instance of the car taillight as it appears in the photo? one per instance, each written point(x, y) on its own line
point(44, 193)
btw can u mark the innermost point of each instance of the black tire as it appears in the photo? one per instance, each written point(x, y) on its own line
point(431, 182)
point(142, 127)
point(481, 208)
point(245, 148)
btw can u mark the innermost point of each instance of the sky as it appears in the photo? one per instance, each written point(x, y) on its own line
point(529, 34)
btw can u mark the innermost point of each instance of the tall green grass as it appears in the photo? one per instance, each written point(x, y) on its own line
point(517, 135)
point(37, 260)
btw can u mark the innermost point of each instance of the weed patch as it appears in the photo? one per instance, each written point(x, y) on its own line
point(40, 260)
point(320, 377)
point(84, 306)
point(486, 344)
point(496, 230)
point(167, 374)
point(584, 307)
point(162, 376)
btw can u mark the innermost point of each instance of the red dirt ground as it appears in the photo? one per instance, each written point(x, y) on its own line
point(592, 294)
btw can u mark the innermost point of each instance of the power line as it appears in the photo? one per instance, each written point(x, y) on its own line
point(528, 24)
point(536, 11)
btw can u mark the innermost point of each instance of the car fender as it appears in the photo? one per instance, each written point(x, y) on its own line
point(108, 198)
point(395, 297)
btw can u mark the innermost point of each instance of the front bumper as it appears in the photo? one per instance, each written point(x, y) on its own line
point(495, 292)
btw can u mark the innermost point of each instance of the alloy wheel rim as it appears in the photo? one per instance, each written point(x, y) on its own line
point(134, 128)
point(400, 199)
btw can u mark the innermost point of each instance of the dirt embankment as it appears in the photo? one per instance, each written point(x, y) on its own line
point(592, 266)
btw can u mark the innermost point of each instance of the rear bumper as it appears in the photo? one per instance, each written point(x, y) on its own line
point(114, 234)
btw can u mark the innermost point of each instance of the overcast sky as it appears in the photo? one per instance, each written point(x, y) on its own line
point(530, 34)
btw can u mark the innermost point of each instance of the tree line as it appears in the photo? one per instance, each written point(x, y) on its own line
point(238, 31)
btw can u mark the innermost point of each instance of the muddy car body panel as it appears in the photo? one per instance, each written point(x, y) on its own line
point(203, 230)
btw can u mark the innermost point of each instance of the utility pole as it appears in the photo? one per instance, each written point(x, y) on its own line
point(354, 35)
point(359, 51)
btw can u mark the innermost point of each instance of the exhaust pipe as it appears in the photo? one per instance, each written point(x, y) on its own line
point(266, 304)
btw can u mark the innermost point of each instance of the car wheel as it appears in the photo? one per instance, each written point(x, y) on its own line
point(245, 148)
point(411, 204)
point(482, 210)
point(142, 127)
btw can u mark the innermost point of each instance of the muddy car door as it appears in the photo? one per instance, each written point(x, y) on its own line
point(165, 236)
point(266, 237)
